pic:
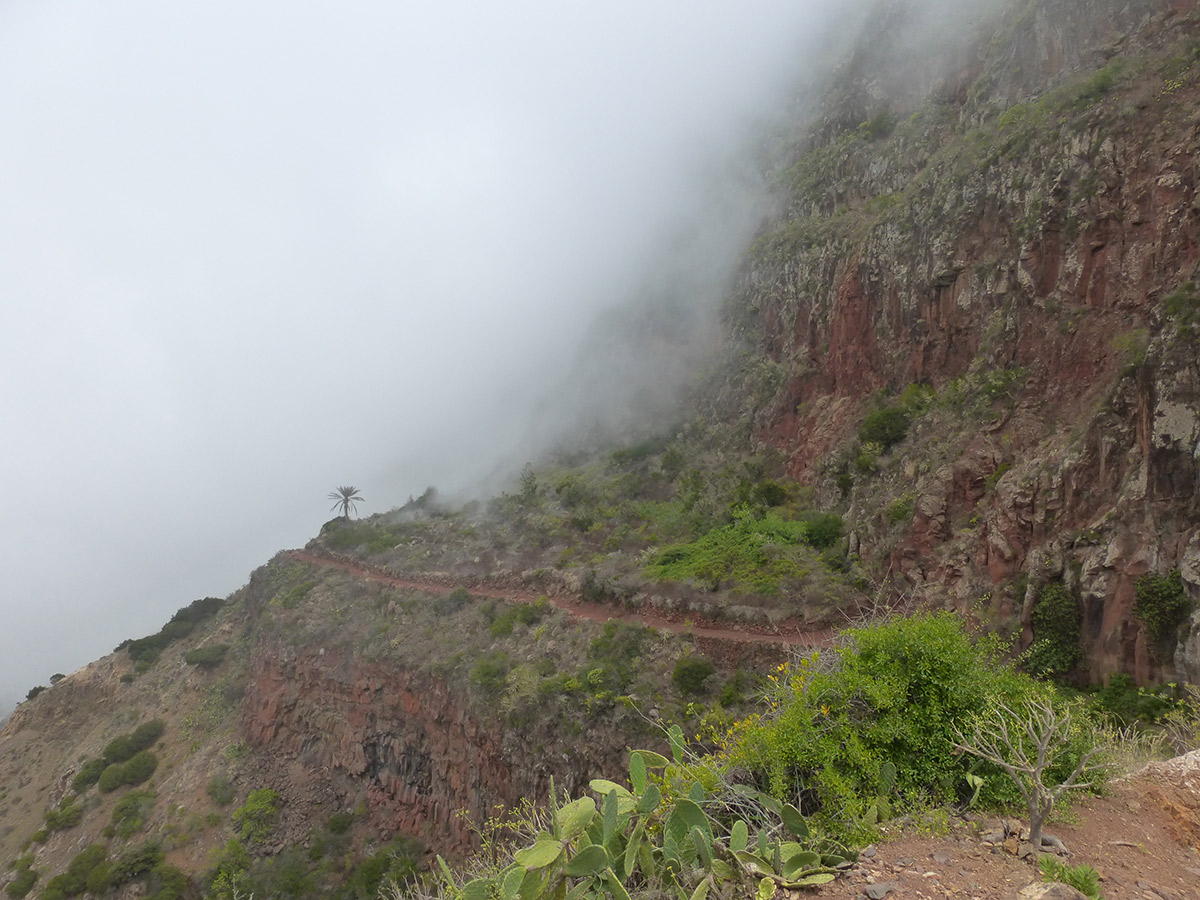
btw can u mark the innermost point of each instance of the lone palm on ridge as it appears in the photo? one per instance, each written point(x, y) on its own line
point(346, 497)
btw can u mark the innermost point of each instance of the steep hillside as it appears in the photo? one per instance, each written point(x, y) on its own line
point(1006, 266)
point(395, 707)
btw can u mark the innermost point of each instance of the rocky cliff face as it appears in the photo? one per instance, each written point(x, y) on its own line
point(343, 718)
point(409, 739)
point(1018, 231)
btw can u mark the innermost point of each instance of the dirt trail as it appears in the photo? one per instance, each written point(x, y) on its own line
point(788, 635)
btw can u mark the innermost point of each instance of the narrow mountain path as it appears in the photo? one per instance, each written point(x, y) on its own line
point(788, 634)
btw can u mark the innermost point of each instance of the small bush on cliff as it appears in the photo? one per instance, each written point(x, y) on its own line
point(68, 814)
point(208, 657)
point(131, 812)
point(73, 881)
point(135, 861)
point(690, 674)
point(145, 651)
point(23, 880)
point(292, 597)
point(458, 599)
point(89, 774)
point(397, 863)
point(885, 426)
point(518, 613)
point(220, 790)
point(617, 653)
point(887, 702)
point(490, 674)
point(1162, 604)
point(1129, 704)
point(752, 553)
point(134, 771)
point(1056, 620)
point(34, 691)
point(126, 746)
point(1183, 305)
point(166, 882)
point(255, 817)
point(227, 878)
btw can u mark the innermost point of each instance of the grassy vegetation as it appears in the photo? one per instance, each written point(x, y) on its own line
point(145, 651)
point(1162, 604)
point(207, 657)
point(847, 740)
point(753, 553)
point(880, 719)
point(1057, 622)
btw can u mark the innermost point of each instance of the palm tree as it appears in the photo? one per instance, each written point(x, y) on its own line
point(346, 497)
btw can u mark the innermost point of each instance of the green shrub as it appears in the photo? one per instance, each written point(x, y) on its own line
point(220, 790)
point(916, 398)
point(340, 822)
point(1128, 703)
point(617, 653)
point(99, 879)
point(822, 530)
point(207, 657)
point(751, 553)
point(1162, 604)
point(135, 770)
point(89, 774)
point(144, 736)
point(491, 673)
point(522, 613)
point(226, 880)
point(690, 674)
point(67, 815)
point(292, 598)
point(879, 717)
point(135, 861)
point(877, 127)
point(255, 817)
point(119, 749)
point(130, 813)
point(1082, 877)
point(901, 509)
point(844, 482)
point(124, 747)
point(733, 691)
point(1057, 622)
point(458, 599)
point(22, 883)
point(140, 767)
point(112, 778)
point(198, 610)
point(885, 426)
point(73, 881)
point(990, 481)
point(34, 691)
point(166, 882)
point(398, 862)
point(147, 650)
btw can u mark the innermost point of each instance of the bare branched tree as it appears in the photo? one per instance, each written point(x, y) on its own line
point(1026, 746)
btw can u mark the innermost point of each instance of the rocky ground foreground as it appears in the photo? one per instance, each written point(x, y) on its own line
point(1143, 837)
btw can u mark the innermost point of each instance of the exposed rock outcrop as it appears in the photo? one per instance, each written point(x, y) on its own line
point(1024, 243)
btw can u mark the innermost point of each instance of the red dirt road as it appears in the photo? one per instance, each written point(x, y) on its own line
point(790, 635)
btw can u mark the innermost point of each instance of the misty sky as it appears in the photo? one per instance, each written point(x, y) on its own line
point(253, 250)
